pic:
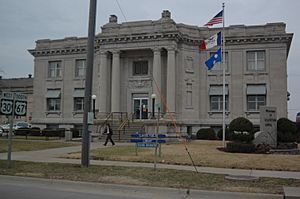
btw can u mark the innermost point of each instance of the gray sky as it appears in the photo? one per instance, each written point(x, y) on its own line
point(22, 22)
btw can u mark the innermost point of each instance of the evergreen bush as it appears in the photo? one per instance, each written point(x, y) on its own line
point(206, 134)
point(286, 130)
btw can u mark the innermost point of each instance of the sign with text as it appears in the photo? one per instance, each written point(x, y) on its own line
point(148, 140)
point(268, 125)
point(16, 101)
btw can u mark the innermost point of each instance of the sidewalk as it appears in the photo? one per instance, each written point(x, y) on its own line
point(51, 155)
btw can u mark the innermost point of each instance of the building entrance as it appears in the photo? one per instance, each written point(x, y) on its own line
point(140, 108)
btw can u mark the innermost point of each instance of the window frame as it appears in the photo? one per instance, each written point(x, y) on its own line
point(80, 67)
point(53, 102)
point(78, 101)
point(256, 102)
point(256, 60)
point(137, 68)
point(54, 69)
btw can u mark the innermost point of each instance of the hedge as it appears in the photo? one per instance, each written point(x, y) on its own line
point(240, 147)
point(49, 132)
point(286, 130)
point(206, 134)
point(228, 134)
point(242, 130)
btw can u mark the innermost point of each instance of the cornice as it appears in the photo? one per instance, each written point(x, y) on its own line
point(174, 35)
point(58, 51)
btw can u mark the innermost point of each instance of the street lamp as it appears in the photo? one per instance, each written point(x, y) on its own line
point(153, 96)
point(94, 105)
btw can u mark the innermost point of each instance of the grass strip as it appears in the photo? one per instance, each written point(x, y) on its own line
point(144, 176)
point(29, 145)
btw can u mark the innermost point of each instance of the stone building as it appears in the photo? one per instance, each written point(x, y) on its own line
point(134, 60)
point(19, 85)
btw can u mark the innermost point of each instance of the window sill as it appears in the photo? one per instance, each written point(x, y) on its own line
point(77, 112)
point(53, 113)
point(256, 73)
point(218, 112)
point(251, 112)
point(54, 79)
point(78, 78)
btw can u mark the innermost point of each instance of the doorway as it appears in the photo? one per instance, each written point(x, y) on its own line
point(140, 108)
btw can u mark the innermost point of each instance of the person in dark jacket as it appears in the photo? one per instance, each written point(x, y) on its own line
point(109, 134)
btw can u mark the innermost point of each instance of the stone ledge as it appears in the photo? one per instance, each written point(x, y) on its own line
point(291, 192)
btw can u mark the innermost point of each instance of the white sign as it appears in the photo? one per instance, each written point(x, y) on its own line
point(8, 99)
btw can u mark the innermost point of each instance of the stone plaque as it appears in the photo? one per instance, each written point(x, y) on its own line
point(268, 126)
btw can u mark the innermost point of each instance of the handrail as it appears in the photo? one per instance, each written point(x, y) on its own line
point(122, 125)
point(105, 121)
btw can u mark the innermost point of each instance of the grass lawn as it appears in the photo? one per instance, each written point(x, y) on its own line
point(204, 153)
point(29, 145)
point(144, 176)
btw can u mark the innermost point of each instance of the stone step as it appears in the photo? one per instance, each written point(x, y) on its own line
point(291, 192)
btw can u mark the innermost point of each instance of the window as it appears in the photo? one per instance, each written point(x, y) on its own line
point(54, 69)
point(256, 97)
point(140, 68)
point(53, 100)
point(78, 97)
point(80, 68)
point(189, 95)
point(256, 60)
point(218, 65)
point(216, 98)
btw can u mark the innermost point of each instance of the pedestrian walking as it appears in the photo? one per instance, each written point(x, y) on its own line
point(109, 134)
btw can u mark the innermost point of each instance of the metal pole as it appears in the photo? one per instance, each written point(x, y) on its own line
point(153, 106)
point(10, 133)
point(85, 159)
point(223, 64)
point(94, 107)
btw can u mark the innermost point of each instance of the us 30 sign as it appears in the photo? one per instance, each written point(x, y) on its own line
point(16, 101)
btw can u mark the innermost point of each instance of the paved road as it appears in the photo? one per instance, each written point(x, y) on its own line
point(34, 188)
point(52, 155)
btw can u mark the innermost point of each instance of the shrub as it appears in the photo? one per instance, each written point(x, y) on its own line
point(242, 130)
point(22, 132)
point(298, 132)
point(240, 147)
point(228, 134)
point(241, 124)
point(58, 132)
point(286, 130)
point(206, 134)
point(35, 131)
point(75, 132)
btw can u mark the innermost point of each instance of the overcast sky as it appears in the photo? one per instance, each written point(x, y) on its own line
point(22, 22)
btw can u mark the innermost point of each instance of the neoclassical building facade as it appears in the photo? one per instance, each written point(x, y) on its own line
point(135, 60)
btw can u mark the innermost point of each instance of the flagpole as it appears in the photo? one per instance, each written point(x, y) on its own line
point(223, 65)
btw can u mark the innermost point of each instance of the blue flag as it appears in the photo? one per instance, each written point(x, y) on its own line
point(217, 57)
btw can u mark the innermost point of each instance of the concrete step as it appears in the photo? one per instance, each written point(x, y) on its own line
point(291, 192)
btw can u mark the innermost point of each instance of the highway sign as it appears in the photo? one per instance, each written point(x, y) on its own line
point(16, 101)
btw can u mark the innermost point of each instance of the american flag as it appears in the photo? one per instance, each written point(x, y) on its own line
point(217, 19)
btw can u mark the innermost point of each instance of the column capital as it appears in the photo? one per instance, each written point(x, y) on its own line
point(103, 52)
point(156, 49)
point(115, 52)
point(171, 49)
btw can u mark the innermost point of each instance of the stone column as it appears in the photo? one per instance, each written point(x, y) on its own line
point(115, 81)
point(171, 81)
point(157, 75)
point(103, 83)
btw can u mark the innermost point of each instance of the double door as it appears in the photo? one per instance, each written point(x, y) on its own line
point(141, 108)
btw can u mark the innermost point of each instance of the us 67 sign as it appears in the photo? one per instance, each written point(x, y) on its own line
point(16, 101)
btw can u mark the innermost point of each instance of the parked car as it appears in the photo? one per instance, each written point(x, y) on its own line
point(22, 125)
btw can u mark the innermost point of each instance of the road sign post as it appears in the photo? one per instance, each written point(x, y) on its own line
point(12, 104)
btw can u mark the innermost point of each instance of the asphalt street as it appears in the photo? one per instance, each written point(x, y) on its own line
point(35, 188)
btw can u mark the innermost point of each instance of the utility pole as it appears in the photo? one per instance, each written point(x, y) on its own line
point(85, 151)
